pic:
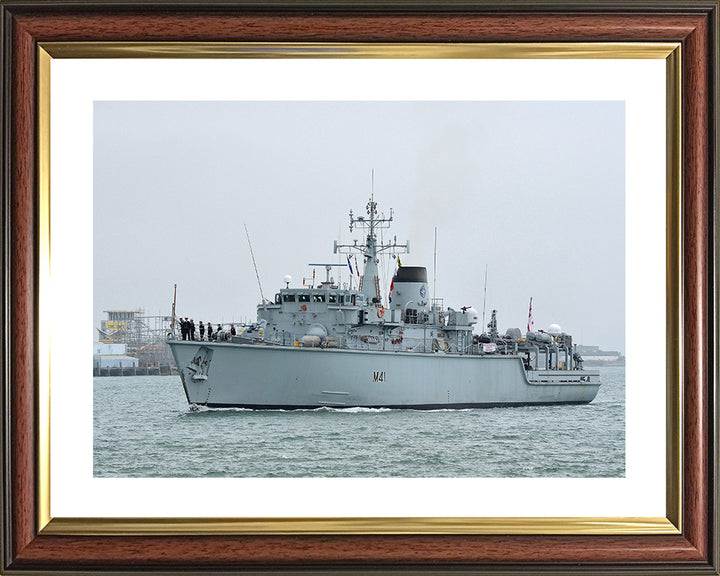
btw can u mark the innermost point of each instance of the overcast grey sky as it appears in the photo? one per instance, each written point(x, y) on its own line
point(533, 190)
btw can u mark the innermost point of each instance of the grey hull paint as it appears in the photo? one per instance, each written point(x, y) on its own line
point(276, 377)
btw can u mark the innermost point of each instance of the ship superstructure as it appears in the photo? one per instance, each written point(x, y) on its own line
point(327, 345)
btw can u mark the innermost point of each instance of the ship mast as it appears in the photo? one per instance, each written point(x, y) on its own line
point(370, 281)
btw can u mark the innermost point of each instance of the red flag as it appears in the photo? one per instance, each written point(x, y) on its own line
point(531, 322)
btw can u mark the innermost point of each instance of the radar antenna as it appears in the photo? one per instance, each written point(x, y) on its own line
point(328, 268)
point(369, 281)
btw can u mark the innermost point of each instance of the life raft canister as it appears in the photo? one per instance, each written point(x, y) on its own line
point(304, 307)
point(380, 312)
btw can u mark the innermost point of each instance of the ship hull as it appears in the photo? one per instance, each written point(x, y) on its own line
point(276, 377)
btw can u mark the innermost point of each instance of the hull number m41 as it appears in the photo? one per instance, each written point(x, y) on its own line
point(379, 376)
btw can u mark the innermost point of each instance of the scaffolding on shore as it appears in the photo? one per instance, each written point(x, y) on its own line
point(144, 336)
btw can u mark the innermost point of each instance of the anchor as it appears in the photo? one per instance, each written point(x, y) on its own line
point(200, 364)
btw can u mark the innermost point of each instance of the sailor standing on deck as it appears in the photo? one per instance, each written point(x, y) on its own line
point(192, 329)
point(202, 331)
point(183, 328)
point(209, 331)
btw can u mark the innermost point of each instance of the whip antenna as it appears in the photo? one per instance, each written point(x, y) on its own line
point(172, 324)
point(435, 264)
point(484, 297)
point(254, 264)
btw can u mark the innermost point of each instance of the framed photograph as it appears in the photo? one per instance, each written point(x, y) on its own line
point(549, 166)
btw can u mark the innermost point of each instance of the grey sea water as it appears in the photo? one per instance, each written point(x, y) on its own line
point(144, 428)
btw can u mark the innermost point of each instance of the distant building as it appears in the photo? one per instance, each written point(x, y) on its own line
point(107, 349)
point(594, 356)
point(112, 356)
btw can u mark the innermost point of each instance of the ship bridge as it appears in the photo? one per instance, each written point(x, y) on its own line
point(302, 315)
point(291, 298)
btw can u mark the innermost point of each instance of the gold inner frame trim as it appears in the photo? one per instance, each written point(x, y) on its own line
point(674, 310)
point(43, 396)
point(289, 526)
point(356, 525)
point(567, 50)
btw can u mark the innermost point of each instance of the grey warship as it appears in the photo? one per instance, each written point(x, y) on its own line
point(321, 345)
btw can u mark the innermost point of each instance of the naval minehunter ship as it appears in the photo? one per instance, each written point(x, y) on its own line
point(326, 346)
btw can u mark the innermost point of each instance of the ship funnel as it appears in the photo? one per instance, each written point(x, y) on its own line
point(411, 274)
point(410, 289)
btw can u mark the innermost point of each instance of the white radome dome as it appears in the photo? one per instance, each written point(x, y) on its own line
point(287, 278)
point(472, 315)
point(554, 329)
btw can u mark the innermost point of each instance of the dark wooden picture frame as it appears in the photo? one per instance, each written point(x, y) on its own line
point(28, 24)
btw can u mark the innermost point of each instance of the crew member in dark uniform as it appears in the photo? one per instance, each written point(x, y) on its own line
point(232, 329)
point(209, 331)
point(202, 331)
point(192, 329)
point(183, 328)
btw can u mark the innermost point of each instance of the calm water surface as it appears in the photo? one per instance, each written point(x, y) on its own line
point(144, 428)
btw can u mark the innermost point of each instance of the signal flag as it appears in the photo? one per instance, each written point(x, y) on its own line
point(531, 322)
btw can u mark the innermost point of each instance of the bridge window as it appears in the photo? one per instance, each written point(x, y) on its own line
point(277, 298)
point(304, 298)
point(318, 297)
point(332, 298)
point(288, 297)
